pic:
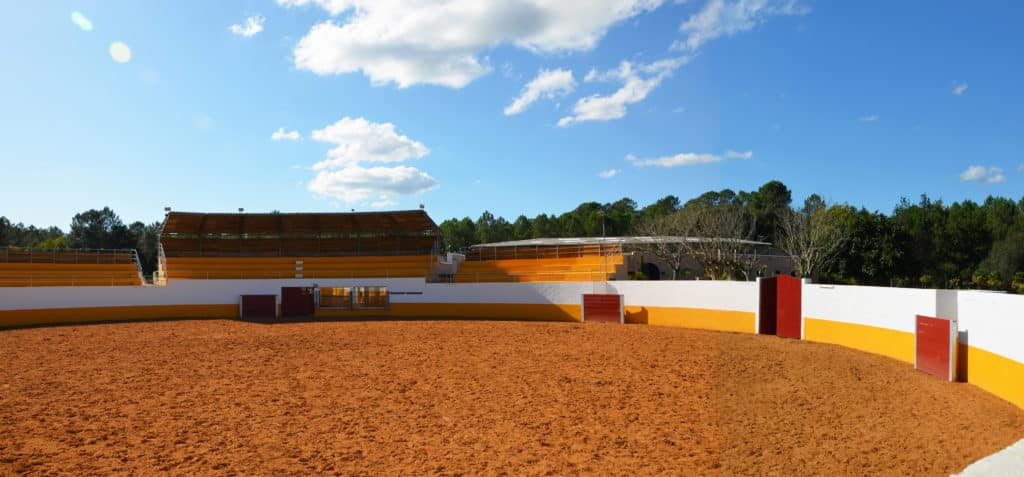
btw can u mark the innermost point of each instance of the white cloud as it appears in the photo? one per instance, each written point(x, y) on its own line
point(120, 52)
point(548, 84)
point(638, 82)
point(870, 118)
point(356, 183)
point(342, 176)
point(409, 42)
point(988, 175)
point(282, 135)
point(359, 140)
point(960, 89)
point(81, 21)
point(684, 159)
point(252, 26)
point(726, 18)
point(739, 155)
point(609, 173)
point(1020, 168)
point(687, 159)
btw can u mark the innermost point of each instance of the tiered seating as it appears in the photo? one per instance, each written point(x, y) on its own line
point(191, 268)
point(586, 268)
point(39, 268)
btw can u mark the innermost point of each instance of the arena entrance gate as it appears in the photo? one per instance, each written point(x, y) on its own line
point(780, 309)
point(297, 301)
point(602, 307)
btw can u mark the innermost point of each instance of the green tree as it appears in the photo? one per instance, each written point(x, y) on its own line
point(99, 229)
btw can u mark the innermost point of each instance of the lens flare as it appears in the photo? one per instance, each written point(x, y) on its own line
point(120, 52)
point(81, 22)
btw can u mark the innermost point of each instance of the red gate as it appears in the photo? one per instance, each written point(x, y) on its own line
point(605, 308)
point(935, 342)
point(789, 321)
point(780, 307)
point(258, 306)
point(297, 301)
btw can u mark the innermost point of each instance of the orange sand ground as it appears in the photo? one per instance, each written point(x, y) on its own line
point(459, 397)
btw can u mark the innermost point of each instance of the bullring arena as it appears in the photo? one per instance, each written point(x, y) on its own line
point(347, 344)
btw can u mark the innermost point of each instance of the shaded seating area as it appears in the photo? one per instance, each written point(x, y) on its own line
point(21, 267)
point(302, 245)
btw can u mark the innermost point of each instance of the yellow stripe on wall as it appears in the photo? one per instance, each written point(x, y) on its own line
point(701, 318)
point(996, 374)
point(883, 341)
point(113, 313)
point(514, 311)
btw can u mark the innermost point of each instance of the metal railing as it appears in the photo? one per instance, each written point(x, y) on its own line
point(270, 275)
point(37, 280)
point(517, 277)
point(69, 256)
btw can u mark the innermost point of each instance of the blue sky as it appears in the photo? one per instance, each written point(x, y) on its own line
point(389, 104)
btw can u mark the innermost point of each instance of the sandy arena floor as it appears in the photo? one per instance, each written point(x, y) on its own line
point(436, 397)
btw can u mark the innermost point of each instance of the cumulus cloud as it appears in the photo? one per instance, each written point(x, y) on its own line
point(960, 89)
point(548, 84)
point(637, 82)
point(687, 159)
point(282, 135)
point(81, 21)
point(357, 140)
point(988, 175)
point(609, 173)
point(356, 183)
point(726, 18)
point(870, 118)
point(252, 26)
point(409, 42)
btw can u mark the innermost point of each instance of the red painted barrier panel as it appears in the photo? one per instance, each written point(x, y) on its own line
point(788, 318)
point(258, 306)
point(935, 346)
point(297, 301)
point(605, 308)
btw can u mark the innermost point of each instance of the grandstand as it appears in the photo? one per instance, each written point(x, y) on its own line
point(542, 260)
point(305, 245)
point(589, 259)
point(24, 267)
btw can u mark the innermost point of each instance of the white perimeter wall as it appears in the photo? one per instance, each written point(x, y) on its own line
point(707, 294)
point(892, 308)
point(990, 321)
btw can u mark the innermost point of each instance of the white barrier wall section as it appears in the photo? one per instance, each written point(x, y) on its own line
point(706, 294)
point(993, 322)
point(557, 293)
point(185, 292)
point(890, 308)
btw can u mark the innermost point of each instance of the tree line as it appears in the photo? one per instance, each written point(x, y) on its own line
point(94, 228)
point(926, 243)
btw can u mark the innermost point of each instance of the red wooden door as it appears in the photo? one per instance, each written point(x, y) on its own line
point(935, 339)
point(604, 308)
point(296, 301)
point(788, 318)
point(767, 308)
point(259, 306)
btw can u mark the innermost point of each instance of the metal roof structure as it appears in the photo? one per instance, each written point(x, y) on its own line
point(625, 241)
